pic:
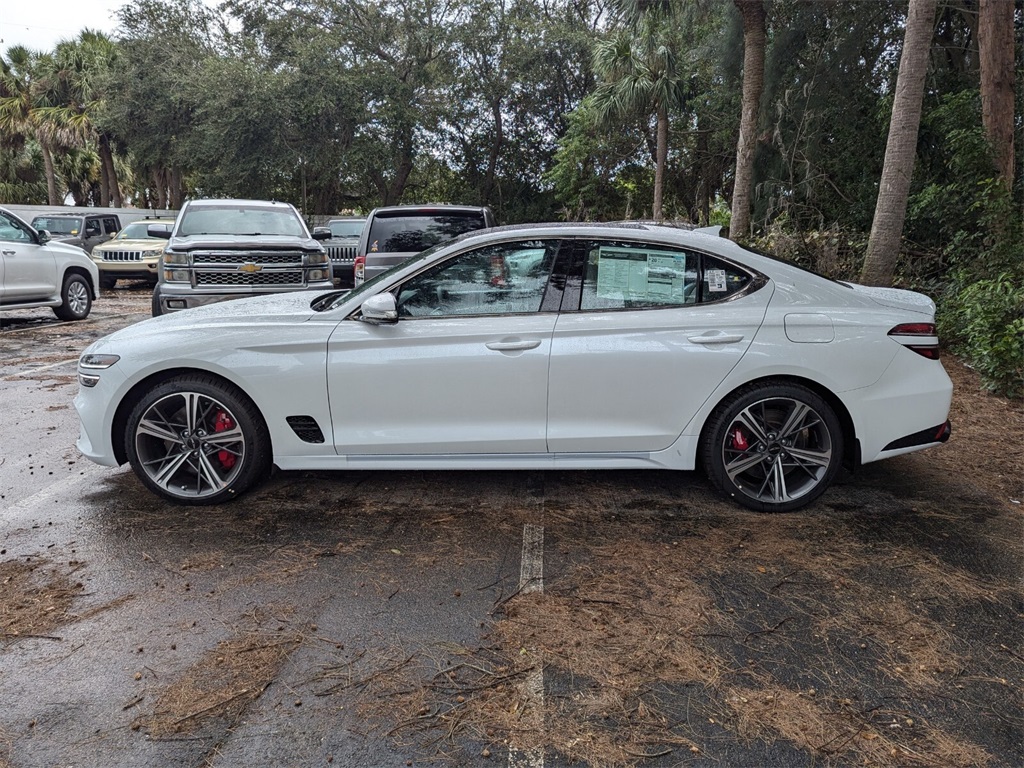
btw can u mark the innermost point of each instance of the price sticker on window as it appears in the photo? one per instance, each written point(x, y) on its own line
point(716, 280)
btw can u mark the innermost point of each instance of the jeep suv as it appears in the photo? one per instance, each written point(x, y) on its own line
point(393, 234)
point(133, 254)
point(341, 247)
point(38, 272)
point(86, 230)
point(227, 249)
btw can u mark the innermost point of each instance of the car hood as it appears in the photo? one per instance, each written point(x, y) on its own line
point(897, 298)
point(246, 242)
point(144, 244)
point(250, 314)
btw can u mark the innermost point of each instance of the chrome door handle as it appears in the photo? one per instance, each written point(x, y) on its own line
point(717, 338)
point(505, 346)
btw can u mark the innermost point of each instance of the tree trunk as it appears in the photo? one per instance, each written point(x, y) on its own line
point(901, 147)
point(995, 44)
point(176, 189)
point(660, 162)
point(753, 15)
point(110, 172)
point(104, 182)
point(51, 175)
point(496, 147)
point(160, 187)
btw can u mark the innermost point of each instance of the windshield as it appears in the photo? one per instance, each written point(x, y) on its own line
point(240, 220)
point(369, 288)
point(351, 228)
point(57, 225)
point(409, 233)
point(138, 230)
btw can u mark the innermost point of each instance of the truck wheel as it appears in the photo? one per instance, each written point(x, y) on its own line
point(75, 299)
point(107, 282)
point(156, 308)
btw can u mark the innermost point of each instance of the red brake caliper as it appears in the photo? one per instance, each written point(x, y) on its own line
point(222, 423)
point(739, 440)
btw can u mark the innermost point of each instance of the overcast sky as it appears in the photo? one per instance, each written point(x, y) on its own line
point(41, 24)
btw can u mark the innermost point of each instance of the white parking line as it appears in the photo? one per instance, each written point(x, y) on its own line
point(30, 371)
point(531, 579)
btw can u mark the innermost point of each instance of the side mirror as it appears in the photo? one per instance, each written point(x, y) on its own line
point(380, 309)
point(163, 231)
point(43, 236)
point(321, 233)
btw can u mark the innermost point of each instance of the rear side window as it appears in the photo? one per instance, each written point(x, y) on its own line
point(410, 233)
point(110, 225)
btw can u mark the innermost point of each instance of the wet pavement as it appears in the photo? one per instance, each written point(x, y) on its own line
point(488, 618)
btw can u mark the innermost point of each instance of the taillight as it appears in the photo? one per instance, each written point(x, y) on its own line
point(919, 337)
point(359, 269)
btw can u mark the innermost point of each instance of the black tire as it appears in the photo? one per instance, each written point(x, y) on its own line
point(107, 283)
point(75, 298)
point(155, 307)
point(195, 439)
point(773, 447)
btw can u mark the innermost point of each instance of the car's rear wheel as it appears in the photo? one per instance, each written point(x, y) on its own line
point(773, 447)
point(75, 298)
point(195, 439)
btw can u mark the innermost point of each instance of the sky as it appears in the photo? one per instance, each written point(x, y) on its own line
point(41, 24)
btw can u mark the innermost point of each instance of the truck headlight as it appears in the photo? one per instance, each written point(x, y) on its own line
point(173, 257)
point(317, 274)
point(176, 275)
point(316, 258)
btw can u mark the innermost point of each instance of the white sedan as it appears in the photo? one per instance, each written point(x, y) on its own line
point(532, 347)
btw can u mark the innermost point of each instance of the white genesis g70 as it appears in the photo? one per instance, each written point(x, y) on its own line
point(532, 347)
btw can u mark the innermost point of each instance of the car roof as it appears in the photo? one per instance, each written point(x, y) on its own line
point(216, 203)
point(428, 208)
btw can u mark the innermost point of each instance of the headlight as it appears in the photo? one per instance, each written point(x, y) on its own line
point(317, 274)
point(98, 361)
point(316, 258)
point(173, 257)
point(176, 275)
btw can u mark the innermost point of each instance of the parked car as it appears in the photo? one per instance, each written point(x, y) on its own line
point(229, 249)
point(38, 272)
point(86, 230)
point(133, 254)
point(341, 247)
point(533, 347)
point(393, 234)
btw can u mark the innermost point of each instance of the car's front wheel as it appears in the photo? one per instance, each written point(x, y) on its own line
point(75, 298)
point(195, 439)
point(773, 447)
point(107, 282)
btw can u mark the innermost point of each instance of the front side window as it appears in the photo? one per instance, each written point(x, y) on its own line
point(11, 230)
point(508, 278)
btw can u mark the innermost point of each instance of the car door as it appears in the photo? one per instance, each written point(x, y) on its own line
point(29, 269)
point(462, 371)
point(651, 331)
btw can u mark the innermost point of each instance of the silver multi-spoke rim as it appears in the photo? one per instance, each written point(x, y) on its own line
point(777, 450)
point(78, 297)
point(190, 445)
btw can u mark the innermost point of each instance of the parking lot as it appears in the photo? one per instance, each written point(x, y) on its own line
point(500, 618)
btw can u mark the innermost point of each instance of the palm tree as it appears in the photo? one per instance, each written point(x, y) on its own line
point(753, 14)
point(640, 76)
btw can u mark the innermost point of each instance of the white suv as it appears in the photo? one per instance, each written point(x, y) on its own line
point(37, 272)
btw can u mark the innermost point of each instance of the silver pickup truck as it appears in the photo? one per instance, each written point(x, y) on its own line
point(228, 249)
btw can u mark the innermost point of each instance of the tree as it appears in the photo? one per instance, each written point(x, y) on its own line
point(639, 76)
point(995, 44)
point(754, 36)
point(901, 147)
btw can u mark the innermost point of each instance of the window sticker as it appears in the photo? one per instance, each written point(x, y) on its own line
point(642, 275)
point(716, 280)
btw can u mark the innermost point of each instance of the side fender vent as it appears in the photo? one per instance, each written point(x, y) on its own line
point(306, 428)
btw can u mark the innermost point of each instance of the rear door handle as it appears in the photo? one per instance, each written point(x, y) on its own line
point(506, 346)
point(716, 338)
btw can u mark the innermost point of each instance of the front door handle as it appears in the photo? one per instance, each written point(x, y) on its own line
point(716, 338)
point(506, 346)
point(8, 253)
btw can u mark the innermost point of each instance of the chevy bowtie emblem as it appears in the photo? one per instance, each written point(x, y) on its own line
point(250, 267)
